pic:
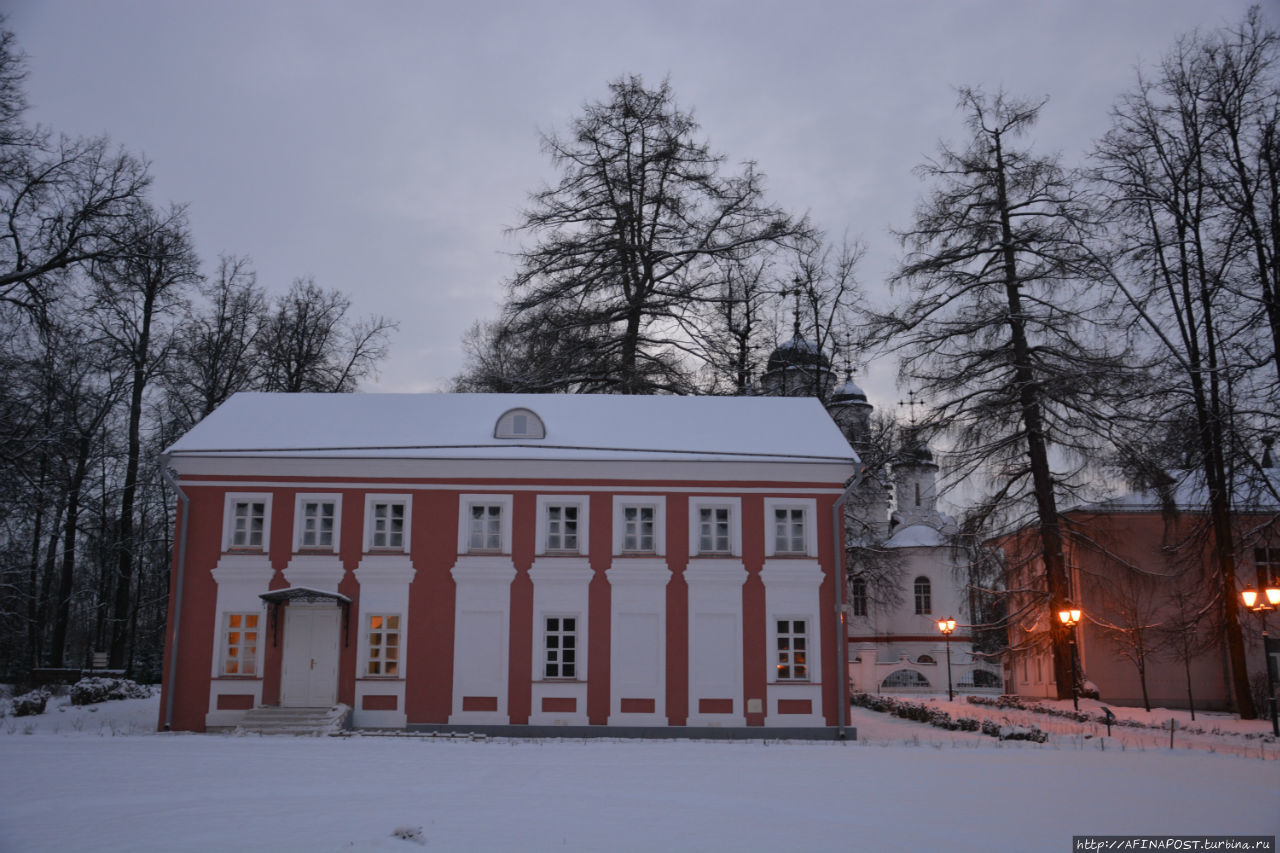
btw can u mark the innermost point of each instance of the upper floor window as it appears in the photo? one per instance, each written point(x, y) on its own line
point(793, 653)
point(249, 524)
point(924, 596)
point(713, 530)
point(789, 531)
point(858, 596)
point(316, 519)
point(484, 524)
point(562, 528)
point(639, 525)
point(246, 522)
point(714, 526)
point(486, 527)
point(1267, 562)
point(637, 534)
point(563, 524)
point(386, 522)
point(519, 423)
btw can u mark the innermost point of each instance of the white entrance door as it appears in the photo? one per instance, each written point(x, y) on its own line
point(309, 677)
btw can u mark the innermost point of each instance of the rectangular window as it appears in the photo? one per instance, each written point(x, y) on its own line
point(788, 531)
point(249, 522)
point(388, 526)
point(637, 533)
point(486, 527)
point(560, 647)
point(793, 658)
point(562, 529)
point(713, 530)
point(1267, 562)
point(384, 645)
point(240, 644)
point(317, 524)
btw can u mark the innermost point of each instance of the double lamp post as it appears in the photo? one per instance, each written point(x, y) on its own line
point(1262, 604)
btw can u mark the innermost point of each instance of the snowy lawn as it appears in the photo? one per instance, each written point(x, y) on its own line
point(85, 788)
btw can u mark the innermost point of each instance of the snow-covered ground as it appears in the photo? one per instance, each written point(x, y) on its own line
point(82, 779)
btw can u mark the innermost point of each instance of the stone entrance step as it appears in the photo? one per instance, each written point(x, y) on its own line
point(316, 722)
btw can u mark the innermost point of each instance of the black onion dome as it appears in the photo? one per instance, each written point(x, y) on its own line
point(849, 392)
point(800, 353)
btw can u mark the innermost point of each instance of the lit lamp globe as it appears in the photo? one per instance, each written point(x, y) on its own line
point(1070, 616)
point(946, 626)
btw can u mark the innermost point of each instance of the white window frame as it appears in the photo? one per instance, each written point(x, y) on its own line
point(734, 505)
point(809, 506)
point(229, 520)
point(383, 632)
point(560, 633)
point(227, 645)
point(790, 620)
point(659, 506)
point(370, 501)
point(465, 503)
point(583, 505)
point(299, 504)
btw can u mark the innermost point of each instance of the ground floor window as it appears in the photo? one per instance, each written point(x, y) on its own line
point(560, 647)
point(240, 644)
point(384, 644)
point(793, 653)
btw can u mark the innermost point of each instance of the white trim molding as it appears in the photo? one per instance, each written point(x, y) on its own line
point(372, 498)
point(734, 505)
point(229, 521)
point(810, 508)
point(638, 641)
point(300, 501)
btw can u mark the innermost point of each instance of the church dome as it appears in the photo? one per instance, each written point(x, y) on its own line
point(849, 392)
point(798, 353)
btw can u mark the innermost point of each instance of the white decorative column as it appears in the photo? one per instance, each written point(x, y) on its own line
point(791, 593)
point(715, 641)
point(560, 588)
point(384, 589)
point(638, 642)
point(482, 620)
point(241, 580)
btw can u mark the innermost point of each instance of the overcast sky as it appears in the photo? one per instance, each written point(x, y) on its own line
point(384, 148)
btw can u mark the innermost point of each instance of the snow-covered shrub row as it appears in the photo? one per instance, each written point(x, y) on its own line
point(938, 718)
point(1022, 703)
point(88, 691)
point(31, 703)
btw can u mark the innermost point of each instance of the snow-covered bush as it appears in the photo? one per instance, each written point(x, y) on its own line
point(31, 703)
point(88, 691)
point(967, 724)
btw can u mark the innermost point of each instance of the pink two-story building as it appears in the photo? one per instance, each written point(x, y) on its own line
point(434, 560)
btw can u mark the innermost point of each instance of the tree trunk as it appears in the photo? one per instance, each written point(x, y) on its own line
point(1037, 448)
point(125, 568)
point(62, 615)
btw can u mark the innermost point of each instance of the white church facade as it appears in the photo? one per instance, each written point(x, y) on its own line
point(904, 574)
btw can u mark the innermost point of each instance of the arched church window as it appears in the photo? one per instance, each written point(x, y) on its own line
point(904, 678)
point(925, 659)
point(924, 596)
point(858, 596)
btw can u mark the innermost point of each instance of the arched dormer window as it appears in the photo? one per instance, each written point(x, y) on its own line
point(519, 423)
point(924, 596)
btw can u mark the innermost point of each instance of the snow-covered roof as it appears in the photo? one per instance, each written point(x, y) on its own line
point(578, 426)
point(916, 536)
point(1190, 494)
point(849, 392)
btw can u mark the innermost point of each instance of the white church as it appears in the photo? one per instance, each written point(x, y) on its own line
point(905, 575)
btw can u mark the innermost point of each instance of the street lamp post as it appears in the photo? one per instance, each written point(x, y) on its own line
point(1262, 604)
point(1069, 615)
point(946, 626)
